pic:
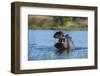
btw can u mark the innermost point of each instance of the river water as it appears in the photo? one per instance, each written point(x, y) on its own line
point(41, 45)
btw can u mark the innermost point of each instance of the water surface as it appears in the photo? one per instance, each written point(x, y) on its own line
point(41, 45)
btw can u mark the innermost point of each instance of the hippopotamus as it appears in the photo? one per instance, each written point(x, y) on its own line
point(64, 41)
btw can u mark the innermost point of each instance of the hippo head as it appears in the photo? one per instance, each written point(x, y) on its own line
point(58, 34)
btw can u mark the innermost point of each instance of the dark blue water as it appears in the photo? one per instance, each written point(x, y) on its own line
point(41, 45)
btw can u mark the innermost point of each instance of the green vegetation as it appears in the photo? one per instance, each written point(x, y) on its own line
point(57, 22)
point(57, 28)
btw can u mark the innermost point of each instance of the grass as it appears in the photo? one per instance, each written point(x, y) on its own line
point(57, 28)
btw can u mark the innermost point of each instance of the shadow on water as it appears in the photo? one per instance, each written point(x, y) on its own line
point(60, 51)
point(57, 51)
point(80, 48)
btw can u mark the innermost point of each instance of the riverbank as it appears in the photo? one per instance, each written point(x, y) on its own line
point(58, 28)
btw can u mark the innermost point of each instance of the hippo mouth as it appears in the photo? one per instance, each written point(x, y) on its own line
point(59, 46)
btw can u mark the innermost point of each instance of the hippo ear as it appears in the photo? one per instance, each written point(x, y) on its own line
point(55, 36)
point(67, 36)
